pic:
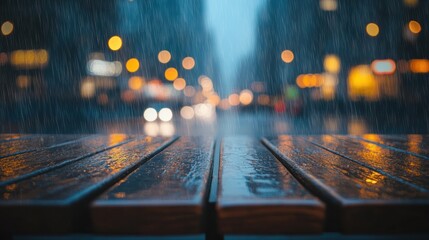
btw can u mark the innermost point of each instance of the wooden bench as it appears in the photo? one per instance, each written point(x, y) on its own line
point(139, 185)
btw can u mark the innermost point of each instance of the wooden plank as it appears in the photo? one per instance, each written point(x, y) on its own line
point(35, 143)
point(11, 136)
point(360, 200)
point(164, 196)
point(257, 194)
point(402, 166)
point(57, 201)
point(417, 145)
point(18, 167)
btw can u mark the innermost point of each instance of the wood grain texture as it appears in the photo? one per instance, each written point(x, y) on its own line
point(400, 165)
point(57, 201)
point(417, 145)
point(19, 167)
point(166, 195)
point(34, 143)
point(4, 137)
point(257, 194)
point(360, 200)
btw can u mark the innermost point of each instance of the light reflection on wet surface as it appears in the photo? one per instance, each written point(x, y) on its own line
point(14, 166)
point(347, 178)
point(249, 171)
point(64, 183)
point(178, 173)
point(402, 165)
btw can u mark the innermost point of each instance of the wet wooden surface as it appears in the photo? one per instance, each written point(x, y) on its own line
point(121, 184)
point(359, 199)
point(403, 166)
point(56, 201)
point(164, 196)
point(414, 144)
point(22, 145)
point(18, 167)
point(258, 195)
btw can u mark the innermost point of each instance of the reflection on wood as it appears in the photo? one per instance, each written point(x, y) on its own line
point(164, 196)
point(55, 201)
point(359, 199)
point(258, 195)
point(15, 168)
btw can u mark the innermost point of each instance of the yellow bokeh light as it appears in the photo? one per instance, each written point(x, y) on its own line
point(132, 65)
point(7, 28)
point(332, 64)
point(179, 84)
point(171, 74)
point(164, 56)
point(188, 63)
point(414, 27)
point(135, 83)
point(372, 29)
point(287, 56)
point(362, 83)
point(115, 43)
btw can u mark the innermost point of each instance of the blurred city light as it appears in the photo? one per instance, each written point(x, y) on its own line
point(362, 84)
point(171, 74)
point(419, 65)
point(328, 5)
point(136, 83)
point(23, 81)
point(246, 97)
point(179, 84)
point(188, 63)
point(150, 114)
point(28, 59)
point(382, 67)
point(332, 64)
point(287, 56)
point(164, 56)
point(187, 112)
point(165, 114)
point(7, 28)
point(87, 88)
point(132, 65)
point(234, 99)
point(104, 68)
point(189, 91)
point(115, 43)
point(414, 27)
point(372, 29)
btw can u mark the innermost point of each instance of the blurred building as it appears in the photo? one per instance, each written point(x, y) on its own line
point(337, 42)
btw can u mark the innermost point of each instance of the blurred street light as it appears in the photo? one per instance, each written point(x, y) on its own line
point(115, 43)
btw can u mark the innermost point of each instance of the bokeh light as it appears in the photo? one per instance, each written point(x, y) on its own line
point(115, 43)
point(132, 65)
point(414, 27)
point(179, 84)
point(7, 28)
point(164, 56)
point(165, 114)
point(372, 29)
point(171, 74)
point(187, 112)
point(188, 63)
point(287, 56)
point(150, 114)
point(234, 99)
point(332, 64)
point(135, 83)
point(246, 97)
